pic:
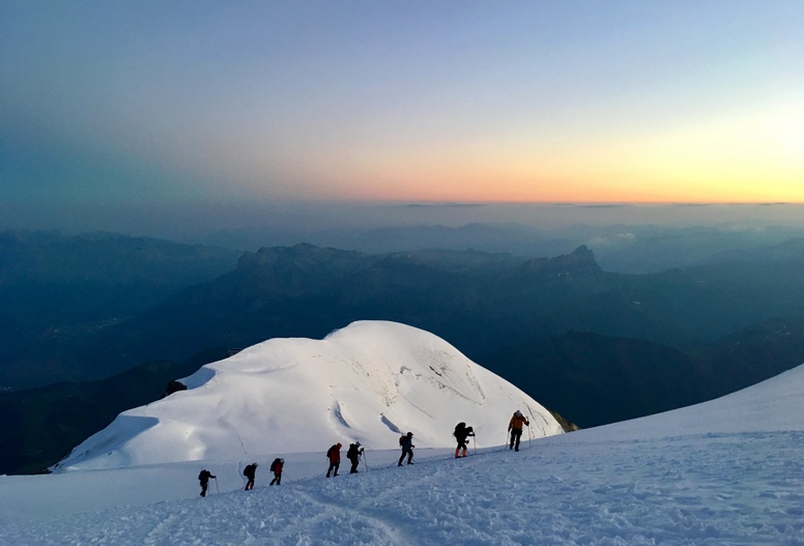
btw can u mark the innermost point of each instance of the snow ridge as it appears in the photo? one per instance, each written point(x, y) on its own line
point(367, 382)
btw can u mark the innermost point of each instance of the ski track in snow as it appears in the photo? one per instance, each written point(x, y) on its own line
point(740, 488)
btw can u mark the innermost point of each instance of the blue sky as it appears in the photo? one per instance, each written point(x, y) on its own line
point(146, 104)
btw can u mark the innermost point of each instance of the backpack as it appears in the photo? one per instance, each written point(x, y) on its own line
point(402, 440)
point(201, 475)
point(329, 451)
point(273, 466)
point(459, 427)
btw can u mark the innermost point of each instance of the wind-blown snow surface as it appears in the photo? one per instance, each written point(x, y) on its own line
point(368, 382)
point(729, 471)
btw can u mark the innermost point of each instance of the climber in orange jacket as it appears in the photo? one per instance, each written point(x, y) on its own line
point(515, 428)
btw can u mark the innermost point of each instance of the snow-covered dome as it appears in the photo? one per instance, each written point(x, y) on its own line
point(369, 382)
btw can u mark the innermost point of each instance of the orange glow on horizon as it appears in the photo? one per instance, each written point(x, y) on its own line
point(753, 159)
point(638, 184)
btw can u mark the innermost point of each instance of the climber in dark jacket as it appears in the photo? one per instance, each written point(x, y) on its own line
point(249, 472)
point(353, 454)
point(406, 442)
point(462, 432)
point(204, 478)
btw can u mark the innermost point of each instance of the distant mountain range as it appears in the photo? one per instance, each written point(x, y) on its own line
point(623, 248)
point(619, 345)
point(480, 302)
point(56, 291)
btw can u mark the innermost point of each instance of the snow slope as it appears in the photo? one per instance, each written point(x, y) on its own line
point(369, 382)
point(729, 471)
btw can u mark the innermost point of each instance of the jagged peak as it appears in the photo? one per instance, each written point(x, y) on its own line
point(581, 259)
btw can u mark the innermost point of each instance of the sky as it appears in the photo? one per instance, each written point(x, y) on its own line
point(149, 106)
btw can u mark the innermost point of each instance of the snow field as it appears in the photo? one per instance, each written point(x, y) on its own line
point(737, 488)
point(729, 471)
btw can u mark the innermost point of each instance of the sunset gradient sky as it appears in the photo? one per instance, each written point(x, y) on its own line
point(555, 101)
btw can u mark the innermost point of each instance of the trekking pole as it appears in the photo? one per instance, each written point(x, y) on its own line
point(529, 437)
point(217, 489)
point(474, 445)
point(365, 460)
